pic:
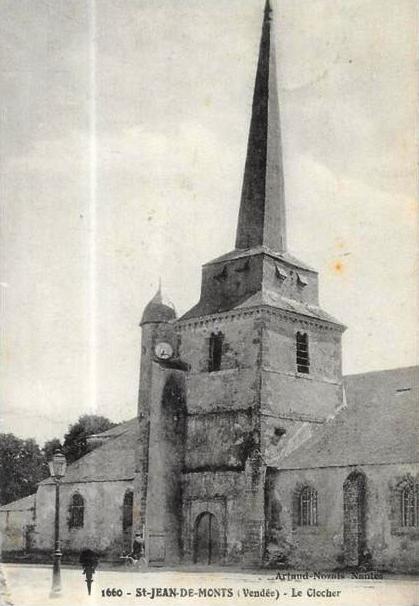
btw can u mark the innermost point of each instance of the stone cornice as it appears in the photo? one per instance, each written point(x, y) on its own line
point(260, 311)
point(351, 466)
point(222, 411)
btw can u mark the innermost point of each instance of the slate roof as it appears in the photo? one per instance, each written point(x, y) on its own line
point(378, 425)
point(117, 430)
point(273, 299)
point(25, 504)
point(157, 310)
point(113, 460)
point(260, 298)
point(257, 250)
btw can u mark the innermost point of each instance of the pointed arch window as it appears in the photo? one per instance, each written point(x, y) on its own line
point(215, 351)
point(76, 517)
point(127, 510)
point(302, 352)
point(307, 507)
point(409, 505)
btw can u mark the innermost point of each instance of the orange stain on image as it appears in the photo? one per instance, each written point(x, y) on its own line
point(338, 267)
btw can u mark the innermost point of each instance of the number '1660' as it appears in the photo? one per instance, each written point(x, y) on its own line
point(112, 592)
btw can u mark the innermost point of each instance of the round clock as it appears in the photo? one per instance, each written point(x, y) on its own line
point(163, 351)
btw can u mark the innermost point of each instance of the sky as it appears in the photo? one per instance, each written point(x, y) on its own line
point(123, 131)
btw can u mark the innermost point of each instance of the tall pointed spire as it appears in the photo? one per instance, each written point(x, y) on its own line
point(262, 208)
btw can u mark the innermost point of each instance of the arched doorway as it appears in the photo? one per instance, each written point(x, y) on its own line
point(206, 539)
point(354, 513)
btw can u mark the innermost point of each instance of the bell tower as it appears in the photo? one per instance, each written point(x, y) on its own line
point(264, 357)
point(257, 366)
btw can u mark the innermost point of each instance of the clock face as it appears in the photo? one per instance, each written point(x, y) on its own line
point(164, 351)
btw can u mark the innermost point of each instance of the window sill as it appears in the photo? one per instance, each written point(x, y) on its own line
point(304, 375)
point(406, 531)
point(222, 371)
point(307, 529)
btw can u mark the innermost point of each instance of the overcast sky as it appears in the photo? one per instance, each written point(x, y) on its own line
point(123, 134)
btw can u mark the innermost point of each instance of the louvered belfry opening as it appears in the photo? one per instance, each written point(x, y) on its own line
point(302, 353)
point(215, 352)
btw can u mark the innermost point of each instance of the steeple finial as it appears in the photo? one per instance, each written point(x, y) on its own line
point(262, 208)
point(158, 296)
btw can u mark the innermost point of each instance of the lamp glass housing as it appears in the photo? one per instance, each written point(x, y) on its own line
point(57, 465)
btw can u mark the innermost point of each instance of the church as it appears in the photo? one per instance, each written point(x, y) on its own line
point(249, 447)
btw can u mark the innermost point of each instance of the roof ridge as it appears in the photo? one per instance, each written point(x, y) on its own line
point(383, 370)
point(91, 454)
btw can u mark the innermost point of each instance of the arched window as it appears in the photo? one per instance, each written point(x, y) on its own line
point(127, 507)
point(76, 518)
point(302, 354)
point(409, 505)
point(215, 351)
point(307, 507)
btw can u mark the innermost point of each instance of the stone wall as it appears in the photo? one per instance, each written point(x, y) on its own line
point(102, 529)
point(220, 493)
point(16, 530)
point(322, 546)
point(165, 466)
point(236, 499)
point(284, 278)
point(227, 283)
point(220, 441)
point(287, 392)
point(240, 345)
point(152, 378)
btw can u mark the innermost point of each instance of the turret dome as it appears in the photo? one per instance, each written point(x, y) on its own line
point(158, 310)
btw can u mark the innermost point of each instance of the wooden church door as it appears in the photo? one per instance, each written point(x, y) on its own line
point(354, 509)
point(207, 539)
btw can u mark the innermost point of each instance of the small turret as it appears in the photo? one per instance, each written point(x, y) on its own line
point(157, 311)
point(156, 325)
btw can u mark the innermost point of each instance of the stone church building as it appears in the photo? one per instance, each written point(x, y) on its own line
point(249, 446)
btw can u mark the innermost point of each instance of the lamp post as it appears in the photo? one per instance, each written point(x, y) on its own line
point(57, 467)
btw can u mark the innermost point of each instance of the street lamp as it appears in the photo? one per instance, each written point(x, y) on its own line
point(57, 467)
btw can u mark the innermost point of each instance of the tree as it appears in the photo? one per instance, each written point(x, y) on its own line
point(75, 440)
point(22, 466)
